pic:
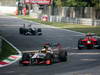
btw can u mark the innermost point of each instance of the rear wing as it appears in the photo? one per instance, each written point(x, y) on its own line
point(90, 34)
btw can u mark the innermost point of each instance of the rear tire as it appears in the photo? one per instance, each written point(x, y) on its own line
point(39, 30)
point(21, 30)
point(98, 43)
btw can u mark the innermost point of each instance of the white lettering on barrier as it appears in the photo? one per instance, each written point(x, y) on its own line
point(84, 21)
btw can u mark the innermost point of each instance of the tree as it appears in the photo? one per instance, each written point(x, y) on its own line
point(71, 3)
point(64, 2)
point(58, 3)
point(78, 3)
point(92, 3)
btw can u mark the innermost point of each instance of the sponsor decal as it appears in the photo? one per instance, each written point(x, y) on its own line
point(88, 42)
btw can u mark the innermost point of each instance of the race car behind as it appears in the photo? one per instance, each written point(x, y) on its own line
point(89, 42)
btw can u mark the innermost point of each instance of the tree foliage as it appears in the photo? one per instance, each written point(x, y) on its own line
point(58, 3)
point(75, 3)
point(83, 3)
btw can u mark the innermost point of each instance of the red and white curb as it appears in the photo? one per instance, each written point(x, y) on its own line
point(11, 59)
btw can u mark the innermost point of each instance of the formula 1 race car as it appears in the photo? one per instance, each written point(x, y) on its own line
point(47, 56)
point(89, 42)
point(29, 30)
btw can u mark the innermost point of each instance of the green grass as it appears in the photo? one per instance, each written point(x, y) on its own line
point(74, 27)
point(6, 50)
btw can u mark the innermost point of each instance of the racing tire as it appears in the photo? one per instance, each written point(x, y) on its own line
point(98, 43)
point(79, 43)
point(39, 30)
point(25, 57)
point(79, 48)
point(48, 59)
point(24, 31)
point(33, 32)
point(62, 56)
point(21, 30)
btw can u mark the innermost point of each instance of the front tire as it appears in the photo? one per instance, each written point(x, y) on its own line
point(79, 43)
point(48, 59)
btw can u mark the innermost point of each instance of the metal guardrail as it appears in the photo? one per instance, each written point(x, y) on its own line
point(84, 21)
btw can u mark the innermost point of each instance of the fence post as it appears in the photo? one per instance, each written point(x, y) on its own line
point(0, 43)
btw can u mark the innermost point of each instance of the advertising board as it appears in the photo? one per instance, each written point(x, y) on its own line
point(38, 1)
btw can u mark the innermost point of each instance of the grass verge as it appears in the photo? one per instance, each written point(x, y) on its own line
point(74, 27)
point(6, 50)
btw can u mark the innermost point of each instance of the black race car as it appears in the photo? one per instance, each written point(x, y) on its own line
point(44, 56)
point(89, 42)
point(30, 30)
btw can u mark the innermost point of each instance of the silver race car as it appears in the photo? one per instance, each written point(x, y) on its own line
point(29, 30)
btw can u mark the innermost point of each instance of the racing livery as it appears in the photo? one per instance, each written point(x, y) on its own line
point(47, 56)
point(30, 30)
point(89, 42)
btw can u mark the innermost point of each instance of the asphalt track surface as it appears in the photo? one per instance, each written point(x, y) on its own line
point(80, 62)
